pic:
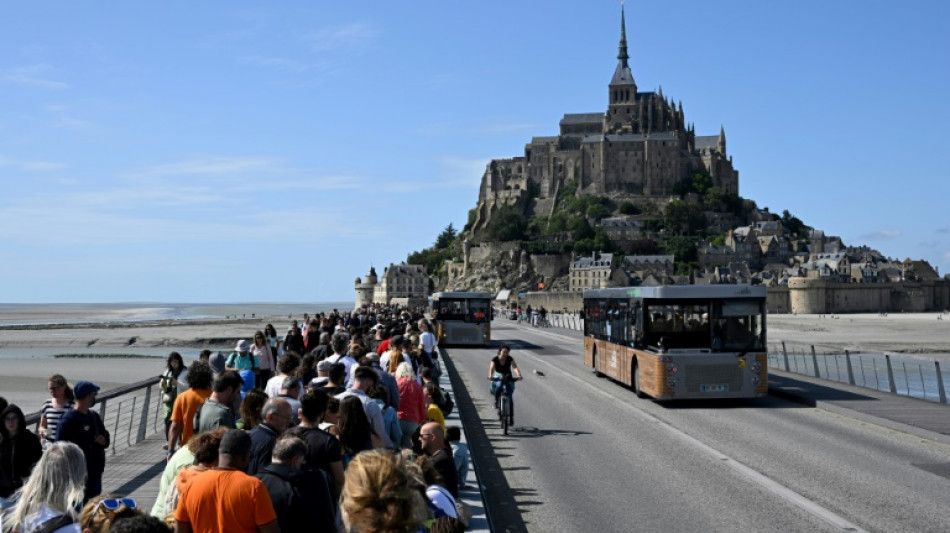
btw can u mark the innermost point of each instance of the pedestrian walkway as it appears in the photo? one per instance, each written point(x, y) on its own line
point(911, 415)
point(136, 471)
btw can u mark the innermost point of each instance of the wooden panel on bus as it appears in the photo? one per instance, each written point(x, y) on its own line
point(589, 352)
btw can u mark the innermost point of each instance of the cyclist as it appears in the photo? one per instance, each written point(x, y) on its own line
point(504, 366)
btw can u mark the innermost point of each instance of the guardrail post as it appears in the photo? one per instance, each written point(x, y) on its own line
point(785, 353)
point(940, 389)
point(814, 361)
point(847, 358)
point(890, 374)
point(143, 421)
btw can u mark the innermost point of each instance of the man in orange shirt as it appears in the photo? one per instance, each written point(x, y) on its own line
point(187, 404)
point(225, 499)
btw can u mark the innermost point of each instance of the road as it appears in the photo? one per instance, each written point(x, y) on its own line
point(586, 455)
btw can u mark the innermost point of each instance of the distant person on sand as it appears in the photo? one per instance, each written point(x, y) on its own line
point(84, 427)
point(55, 407)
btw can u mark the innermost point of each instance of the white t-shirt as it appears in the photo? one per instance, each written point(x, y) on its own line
point(428, 341)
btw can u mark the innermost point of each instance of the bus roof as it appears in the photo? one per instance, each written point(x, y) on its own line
point(680, 292)
point(461, 295)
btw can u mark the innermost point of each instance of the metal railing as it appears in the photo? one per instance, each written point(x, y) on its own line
point(130, 413)
point(882, 371)
point(553, 320)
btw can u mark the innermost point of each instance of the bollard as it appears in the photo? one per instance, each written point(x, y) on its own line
point(940, 389)
point(890, 374)
point(814, 361)
point(847, 358)
point(785, 353)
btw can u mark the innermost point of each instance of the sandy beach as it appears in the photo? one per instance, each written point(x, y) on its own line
point(25, 351)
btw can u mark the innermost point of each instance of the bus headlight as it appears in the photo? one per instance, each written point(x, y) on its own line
point(672, 368)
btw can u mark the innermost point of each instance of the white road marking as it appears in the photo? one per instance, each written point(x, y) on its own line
point(752, 475)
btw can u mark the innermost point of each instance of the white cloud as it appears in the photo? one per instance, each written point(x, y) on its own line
point(30, 166)
point(882, 235)
point(354, 35)
point(32, 76)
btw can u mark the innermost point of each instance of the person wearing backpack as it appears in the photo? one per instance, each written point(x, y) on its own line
point(446, 404)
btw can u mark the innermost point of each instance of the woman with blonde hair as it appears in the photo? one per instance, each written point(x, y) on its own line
point(412, 403)
point(53, 492)
point(382, 494)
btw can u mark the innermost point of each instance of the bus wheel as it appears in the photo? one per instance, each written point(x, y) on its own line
point(636, 382)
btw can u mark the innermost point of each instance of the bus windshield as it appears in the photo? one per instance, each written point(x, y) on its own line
point(738, 326)
point(463, 309)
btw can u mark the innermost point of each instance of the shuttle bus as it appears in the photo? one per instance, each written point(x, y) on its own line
point(679, 342)
point(463, 317)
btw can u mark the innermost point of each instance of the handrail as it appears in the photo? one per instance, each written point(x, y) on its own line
point(125, 411)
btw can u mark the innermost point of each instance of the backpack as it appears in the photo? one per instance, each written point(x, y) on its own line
point(447, 403)
point(53, 524)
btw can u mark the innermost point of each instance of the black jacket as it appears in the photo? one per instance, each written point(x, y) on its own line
point(17, 454)
point(301, 499)
point(263, 438)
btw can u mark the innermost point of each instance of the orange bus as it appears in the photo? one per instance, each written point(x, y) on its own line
point(679, 342)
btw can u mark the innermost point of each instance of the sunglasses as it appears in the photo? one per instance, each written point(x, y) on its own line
point(112, 505)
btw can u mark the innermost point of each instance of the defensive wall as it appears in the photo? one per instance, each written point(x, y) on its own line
point(811, 296)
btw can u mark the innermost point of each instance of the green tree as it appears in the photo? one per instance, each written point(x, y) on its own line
point(507, 224)
point(597, 211)
point(581, 229)
point(446, 237)
point(683, 249)
point(794, 225)
point(627, 208)
point(684, 218)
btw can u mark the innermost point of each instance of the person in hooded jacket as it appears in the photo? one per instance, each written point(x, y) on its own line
point(20, 449)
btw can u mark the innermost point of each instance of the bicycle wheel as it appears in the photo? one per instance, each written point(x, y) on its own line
point(504, 413)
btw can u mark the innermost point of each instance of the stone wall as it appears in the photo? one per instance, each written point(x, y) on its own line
point(486, 250)
point(809, 296)
point(554, 301)
point(551, 266)
point(777, 300)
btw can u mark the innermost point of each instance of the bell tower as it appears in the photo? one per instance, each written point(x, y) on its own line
point(622, 111)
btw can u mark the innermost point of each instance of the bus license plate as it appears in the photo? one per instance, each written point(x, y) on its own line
point(714, 388)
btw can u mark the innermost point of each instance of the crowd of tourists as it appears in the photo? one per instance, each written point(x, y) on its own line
point(339, 425)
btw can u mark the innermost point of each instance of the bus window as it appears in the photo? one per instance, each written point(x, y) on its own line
point(739, 326)
point(452, 309)
point(478, 310)
point(681, 325)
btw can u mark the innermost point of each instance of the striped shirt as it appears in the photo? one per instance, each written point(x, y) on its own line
point(53, 415)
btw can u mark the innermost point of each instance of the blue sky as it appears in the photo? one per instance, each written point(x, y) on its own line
point(247, 151)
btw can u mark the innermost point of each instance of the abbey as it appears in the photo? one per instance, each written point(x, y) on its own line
point(637, 150)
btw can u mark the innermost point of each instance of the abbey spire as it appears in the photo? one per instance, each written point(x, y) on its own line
point(623, 90)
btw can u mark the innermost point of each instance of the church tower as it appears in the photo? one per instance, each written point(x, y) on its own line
point(622, 111)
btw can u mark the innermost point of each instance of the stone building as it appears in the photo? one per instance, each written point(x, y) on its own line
point(403, 284)
point(637, 150)
point(365, 289)
point(592, 272)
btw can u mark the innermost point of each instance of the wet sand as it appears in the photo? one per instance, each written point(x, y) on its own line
point(23, 373)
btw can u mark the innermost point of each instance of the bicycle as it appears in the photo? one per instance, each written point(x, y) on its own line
point(505, 410)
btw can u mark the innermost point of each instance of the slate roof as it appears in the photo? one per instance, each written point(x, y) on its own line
point(582, 118)
point(707, 141)
point(631, 137)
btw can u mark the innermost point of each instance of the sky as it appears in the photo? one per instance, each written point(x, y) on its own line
point(248, 151)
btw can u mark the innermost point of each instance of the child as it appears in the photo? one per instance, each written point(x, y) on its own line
point(453, 434)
